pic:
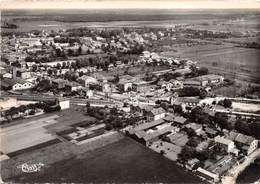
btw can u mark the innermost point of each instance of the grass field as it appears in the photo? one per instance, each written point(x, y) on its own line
point(123, 161)
point(25, 135)
point(239, 63)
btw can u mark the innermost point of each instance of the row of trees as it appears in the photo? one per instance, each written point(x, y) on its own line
point(192, 91)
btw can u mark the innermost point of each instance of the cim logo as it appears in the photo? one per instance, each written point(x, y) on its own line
point(31, 168)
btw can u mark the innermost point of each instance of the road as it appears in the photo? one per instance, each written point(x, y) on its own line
point(73, 100)
point(233, 173)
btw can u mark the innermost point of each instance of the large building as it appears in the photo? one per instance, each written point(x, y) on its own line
point(155, 114)
point(205, 80)
point(247, 144)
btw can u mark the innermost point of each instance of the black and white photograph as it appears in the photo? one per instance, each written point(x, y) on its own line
point(131, 91)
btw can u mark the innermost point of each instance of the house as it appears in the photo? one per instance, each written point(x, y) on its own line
point(207, 174)
point(210, 79)
point(192, 163)
point(186, 103)
point(192, 83)
point(7, 84)
point(21, 73)
point(64, 104)
point(194, 126)
point(247, 144)
point(180, 120)
point(176, 84)
point(106, 87)
point(54, 63)
point(225, 144)
point(155, 114)
point(87, 80)
point(58, 83)
point(30, 41)
point(143, 109)
point(155, 135)
point(73, 86)
point(125, 83)
point(7, 75)
point(144, 127)
point(177, 138)
point(141, 85)
point(211, 132)
point(22, 85)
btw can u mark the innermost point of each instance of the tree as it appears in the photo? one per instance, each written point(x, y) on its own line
point(222, 120)
point(116, 79)
point(203, 94)
point(203, 71)
point(63, 65)
point(227, 103)
point(49, 71)
point(79, 50)
point(109, 126)
point(34, 67)
point(58, 66)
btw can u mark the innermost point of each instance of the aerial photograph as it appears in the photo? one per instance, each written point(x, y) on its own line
point(148, 91)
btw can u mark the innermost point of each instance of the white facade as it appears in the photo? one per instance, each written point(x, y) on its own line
point(64, 104)
point(7, 75)
point(20, 86)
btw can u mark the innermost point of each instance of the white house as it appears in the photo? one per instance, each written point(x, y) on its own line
point(22, 85)
point(64, 104)
point(155, 114)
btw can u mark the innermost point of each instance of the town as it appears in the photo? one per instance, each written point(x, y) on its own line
point(80, 89)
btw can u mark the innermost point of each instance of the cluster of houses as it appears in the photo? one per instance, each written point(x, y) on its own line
point(168, 133)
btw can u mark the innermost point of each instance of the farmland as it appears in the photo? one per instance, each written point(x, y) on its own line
point(235, 62)
point(122, 161)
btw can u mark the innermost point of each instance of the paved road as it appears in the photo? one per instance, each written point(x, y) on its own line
point(233, 173)
point(73, 100)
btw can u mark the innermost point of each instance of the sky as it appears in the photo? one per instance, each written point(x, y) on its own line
point(128, 4)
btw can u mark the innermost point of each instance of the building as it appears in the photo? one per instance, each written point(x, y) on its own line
point(16, 84)
point(207, 174)
point(64, 104)
point(246, 144)
point(54, 63)
point(7, 75)
point(192, 83)
point(155, 114)
point(177, 138)
point(186, 103)
point(210, 79)
point(73, 86)
point(125, 83)
point(211, 132)
point(58, 83)
point(225, 144)
point(192, 163)
point(180, 120)
point(140, 86)
point(197, 128)
point(87, 80)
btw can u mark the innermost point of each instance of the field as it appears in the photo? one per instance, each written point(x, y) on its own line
point(64, 19)
point(123, 161)
point(25, 135)
point(230, 61)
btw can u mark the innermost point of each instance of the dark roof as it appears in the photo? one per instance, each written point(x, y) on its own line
point(157, 111)
point(241, 138)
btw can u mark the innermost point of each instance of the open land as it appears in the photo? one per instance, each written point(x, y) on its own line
point(123, 161)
